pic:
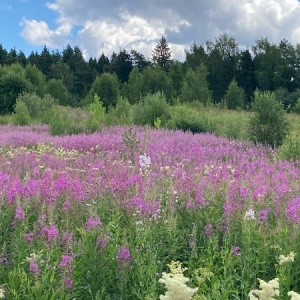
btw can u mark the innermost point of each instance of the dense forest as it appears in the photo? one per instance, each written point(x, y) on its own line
point(216, 72)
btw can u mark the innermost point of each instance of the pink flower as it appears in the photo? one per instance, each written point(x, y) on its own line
point(33, 267)
point(124, 254)
point(68, 282)
point(66, 261)
point(92, 223)
point(235, 251)
point(19, 214)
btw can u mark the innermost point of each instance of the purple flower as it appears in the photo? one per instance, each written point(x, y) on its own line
point(101, 242)
point(124, 254)
point(19, 214)
point(263, 215)
point(51, 232)
point(292, 210)
point(33, 267)
point(209, 229)
point(68, 282)
point(66, 261)
point(28, 237)
point(235, 251)
point(93, 223)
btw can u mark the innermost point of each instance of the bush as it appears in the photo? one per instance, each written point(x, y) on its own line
point(187, 119)
point(66, 121)
point(290, 149)
point(234, 96)
point(269, 124)
point(150, 108)
point(21, 115)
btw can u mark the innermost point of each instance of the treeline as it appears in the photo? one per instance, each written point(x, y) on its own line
point(216, 72)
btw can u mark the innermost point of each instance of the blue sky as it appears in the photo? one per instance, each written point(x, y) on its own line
point(98, 26)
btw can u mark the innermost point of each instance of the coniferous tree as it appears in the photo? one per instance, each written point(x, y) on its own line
point(162, 53)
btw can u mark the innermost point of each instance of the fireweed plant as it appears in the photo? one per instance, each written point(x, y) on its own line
point(96, 217)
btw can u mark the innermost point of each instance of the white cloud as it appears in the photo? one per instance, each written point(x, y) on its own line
point(106, 26)
point(39, 33)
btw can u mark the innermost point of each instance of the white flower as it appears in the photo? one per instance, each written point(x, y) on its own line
point(284, 259)
point(294, 295)
point(267, 290)
point(145, 161)
point(175, 283)
point(250, 214)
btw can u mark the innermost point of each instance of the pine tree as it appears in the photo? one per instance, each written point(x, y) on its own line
point(162, 53)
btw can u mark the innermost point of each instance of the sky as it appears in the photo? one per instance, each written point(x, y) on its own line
point(97, 26)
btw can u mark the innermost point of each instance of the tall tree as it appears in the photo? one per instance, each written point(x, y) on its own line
point(195, 86)
point(62, 71)
point(102, 63)
point(222, 64)
point(195, 56)
point(245, 75)
point(106, 86)
point(161, 55)
point(268, 65)
point(138, 60)
point(121, 64)
point(3, 55)
point(132, 89)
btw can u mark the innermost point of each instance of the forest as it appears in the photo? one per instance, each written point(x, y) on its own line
point(218, 72)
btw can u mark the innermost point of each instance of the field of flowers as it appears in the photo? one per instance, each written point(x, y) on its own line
point(137, 213)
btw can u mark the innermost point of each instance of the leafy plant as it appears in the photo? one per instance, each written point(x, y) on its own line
point(269, 124)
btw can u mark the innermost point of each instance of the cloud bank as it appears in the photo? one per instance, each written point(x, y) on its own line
point(98, 26)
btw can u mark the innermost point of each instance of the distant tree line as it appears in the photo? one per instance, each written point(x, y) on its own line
point(217, 72)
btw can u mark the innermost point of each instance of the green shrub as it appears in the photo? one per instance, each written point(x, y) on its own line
point(21, 115)
point(187, 119)
point(234, 96)
point(122, 114)
point(290, 149)
point(269, 124)
point(66, 121)
point(297, 107)
point(150, 108)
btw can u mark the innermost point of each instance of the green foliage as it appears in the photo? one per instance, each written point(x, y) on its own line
point(106, 86)
point(155, 79)
point(36, 78)
point(297, 107)
point(57, 89)
point(122, 114)
point(195, 86)
point(290, 149)
point(234, 96)
point(38, 107)
point(132, 89)
point(150, 108)
point(66, 121)
point(21, 115)
point(12, 85)
point(269, 124)
point(97, 109)
point(187, 119)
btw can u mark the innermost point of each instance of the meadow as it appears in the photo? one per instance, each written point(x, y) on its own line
point(140, 213)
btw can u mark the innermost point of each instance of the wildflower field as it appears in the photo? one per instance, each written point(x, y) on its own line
point(137, 213)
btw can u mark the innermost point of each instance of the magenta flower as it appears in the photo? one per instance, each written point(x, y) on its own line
point(19, 214)
point(236, 251)
point(292, 210)
point(33, 267)
point(93, 223)
point(209, 229)
point(66, 261)
point(124, 255)
point(68, 282)
point(28, 237)
point(50, 232)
